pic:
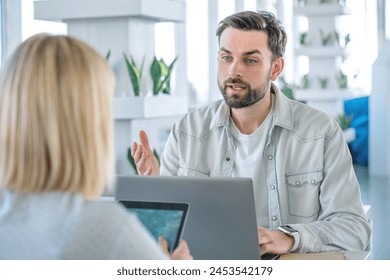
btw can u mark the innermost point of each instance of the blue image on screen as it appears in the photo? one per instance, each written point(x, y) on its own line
point(164, 223)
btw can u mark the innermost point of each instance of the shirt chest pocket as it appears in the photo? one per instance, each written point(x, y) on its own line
point(303, 193)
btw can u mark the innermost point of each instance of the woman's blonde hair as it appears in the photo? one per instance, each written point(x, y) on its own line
point(56, 126)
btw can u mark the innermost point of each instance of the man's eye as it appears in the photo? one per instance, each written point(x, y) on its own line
point(226, 58)
point(250, 61)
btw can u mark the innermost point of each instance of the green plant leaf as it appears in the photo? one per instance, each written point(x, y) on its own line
point(157, 156)
point(134, 73)
point(167, 81)
point(344, 120)
point(164, 76)
point(141, 69)
point(131, 160)
point(155, 73)
point(286, 88)
point(108, 55)
point(164, 67)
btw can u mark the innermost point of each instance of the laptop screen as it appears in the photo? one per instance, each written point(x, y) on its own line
point(161, 219)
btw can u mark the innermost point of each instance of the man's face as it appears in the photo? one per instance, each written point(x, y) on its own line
point(245, 66)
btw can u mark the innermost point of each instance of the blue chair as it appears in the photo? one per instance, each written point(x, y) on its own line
point(358, 107)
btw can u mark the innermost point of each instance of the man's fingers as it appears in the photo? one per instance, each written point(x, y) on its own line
point(138, 154)
point(134, 148)
point(264, 236)
point(148, 171)
point(141, 161)
point(143, 137)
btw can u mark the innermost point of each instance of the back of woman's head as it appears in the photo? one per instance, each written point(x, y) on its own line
point(56, 118)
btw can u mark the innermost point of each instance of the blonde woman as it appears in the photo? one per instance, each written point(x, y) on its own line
point(56, 157)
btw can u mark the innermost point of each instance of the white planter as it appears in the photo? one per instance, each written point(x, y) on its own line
point(149, 107)
point(349, 134)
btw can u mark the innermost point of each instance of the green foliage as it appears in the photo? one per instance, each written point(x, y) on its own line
point(305, 81)
point(286, 88)
point(347, 39)
point(135, 73)
point(342, 80)
point(132, 162)
point(303, 38)
point(326, 38)
point(323, 82)
point(108, 55)
point(161, 76)
point(337, 37)
point(344, 121)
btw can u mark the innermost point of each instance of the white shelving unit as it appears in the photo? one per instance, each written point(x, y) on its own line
point(325, 59)
point(127, 26)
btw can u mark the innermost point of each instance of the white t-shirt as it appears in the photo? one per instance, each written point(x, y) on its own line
point(249, 161)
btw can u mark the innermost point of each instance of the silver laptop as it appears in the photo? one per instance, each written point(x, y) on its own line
point(222, 221)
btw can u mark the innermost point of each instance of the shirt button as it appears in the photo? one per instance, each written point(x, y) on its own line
point(313, 182)
point(228, 159)
point(273, 187)
point(274, 218)
point(297, 183)
point(270, 157)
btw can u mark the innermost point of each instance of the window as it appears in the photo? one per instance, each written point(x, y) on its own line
point(1, 30)
point(164, 46)
point(362, 25)
point(387, 19)
point(197, 50)
point(31, 26)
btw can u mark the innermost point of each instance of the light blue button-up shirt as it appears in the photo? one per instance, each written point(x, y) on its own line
point(310, 179)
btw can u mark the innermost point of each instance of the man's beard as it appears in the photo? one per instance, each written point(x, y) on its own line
point(252, 95)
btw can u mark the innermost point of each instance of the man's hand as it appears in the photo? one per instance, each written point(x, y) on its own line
point(182, 252)
point(275, 242)
point(143, 156)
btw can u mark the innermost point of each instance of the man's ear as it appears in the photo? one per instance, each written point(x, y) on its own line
point(277, 68)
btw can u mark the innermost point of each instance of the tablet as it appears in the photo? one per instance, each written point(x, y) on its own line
point(165, 219)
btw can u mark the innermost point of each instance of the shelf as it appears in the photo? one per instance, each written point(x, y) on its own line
point(322, 51)
point(126, 108)
point(65, 10)
point(322, 10)
point(326, 94)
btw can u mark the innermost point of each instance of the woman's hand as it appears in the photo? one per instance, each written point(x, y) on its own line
point(182, 252)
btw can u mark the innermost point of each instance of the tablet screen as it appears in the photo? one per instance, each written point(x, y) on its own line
point(161, 218)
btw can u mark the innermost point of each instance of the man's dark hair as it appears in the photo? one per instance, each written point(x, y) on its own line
point(258, 21)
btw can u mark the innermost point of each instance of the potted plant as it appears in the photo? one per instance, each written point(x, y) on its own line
point(160, 73)
point(344, 121)
point(161, 103)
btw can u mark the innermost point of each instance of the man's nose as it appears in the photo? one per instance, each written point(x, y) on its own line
point(235, 69)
